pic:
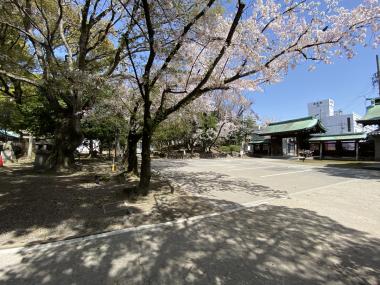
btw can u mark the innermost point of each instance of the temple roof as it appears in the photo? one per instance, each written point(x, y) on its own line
point(338, 137)
point(307, 124)
point(372, 117)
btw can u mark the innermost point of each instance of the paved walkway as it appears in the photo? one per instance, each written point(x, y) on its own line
point(306, 225)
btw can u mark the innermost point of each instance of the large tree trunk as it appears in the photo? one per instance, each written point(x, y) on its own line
point(92, 153)
point(145, 152)
point(91, 148)
point(68, 137)
point(100, 148)
point(133, 139)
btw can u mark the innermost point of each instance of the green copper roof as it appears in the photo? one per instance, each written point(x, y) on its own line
point(372, 116)
point(294, 126)
point(10, 134)
point(340, 137)
point(262, 141)
point(257, 139)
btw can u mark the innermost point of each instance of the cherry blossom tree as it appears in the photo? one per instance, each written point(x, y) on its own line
point(195, 48)
point(170, 52)
point(185, 127)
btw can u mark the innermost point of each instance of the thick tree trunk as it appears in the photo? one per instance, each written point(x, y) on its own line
point(91, 147)
point(92, 152)
point(133, 139)
point(191, 151)
point(145, 174)
point(68, 137)
point(100, 148)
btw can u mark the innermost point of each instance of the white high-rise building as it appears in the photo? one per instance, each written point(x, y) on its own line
point(321, 109)
point(335, 122)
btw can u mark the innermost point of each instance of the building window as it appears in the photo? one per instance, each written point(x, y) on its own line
point(349, 124)
point(348, 146)
point(330, 146)
point(314, 146)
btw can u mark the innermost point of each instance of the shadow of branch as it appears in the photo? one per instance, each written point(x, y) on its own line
point(263, 245)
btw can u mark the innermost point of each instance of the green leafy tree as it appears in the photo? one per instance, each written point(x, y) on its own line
point(72, 58)
point(172, 130)
point(105, 125)
point(245, 126)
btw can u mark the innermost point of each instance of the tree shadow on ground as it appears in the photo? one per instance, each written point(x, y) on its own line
point(184, 207)
point(209, 183)
point(164, 164)
point(349, 172)
point(37, 206)
point(263, 245)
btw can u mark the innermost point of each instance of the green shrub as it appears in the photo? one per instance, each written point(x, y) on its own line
point(235, 148)
point(224, 148)
point(229, 148)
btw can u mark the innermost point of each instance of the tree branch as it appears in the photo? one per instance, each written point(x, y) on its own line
point(63, 37)
point(23, 32)
point(20, 78)
point(180, 41)
point(198, 91)
point(152, 52)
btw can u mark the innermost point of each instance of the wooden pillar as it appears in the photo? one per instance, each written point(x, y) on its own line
point(320, 150)
point(357, 150)
point(338, 148)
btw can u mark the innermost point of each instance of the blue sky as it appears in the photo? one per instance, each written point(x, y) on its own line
point(345, 81)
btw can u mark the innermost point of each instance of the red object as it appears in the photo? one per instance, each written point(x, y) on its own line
point(1, 161)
